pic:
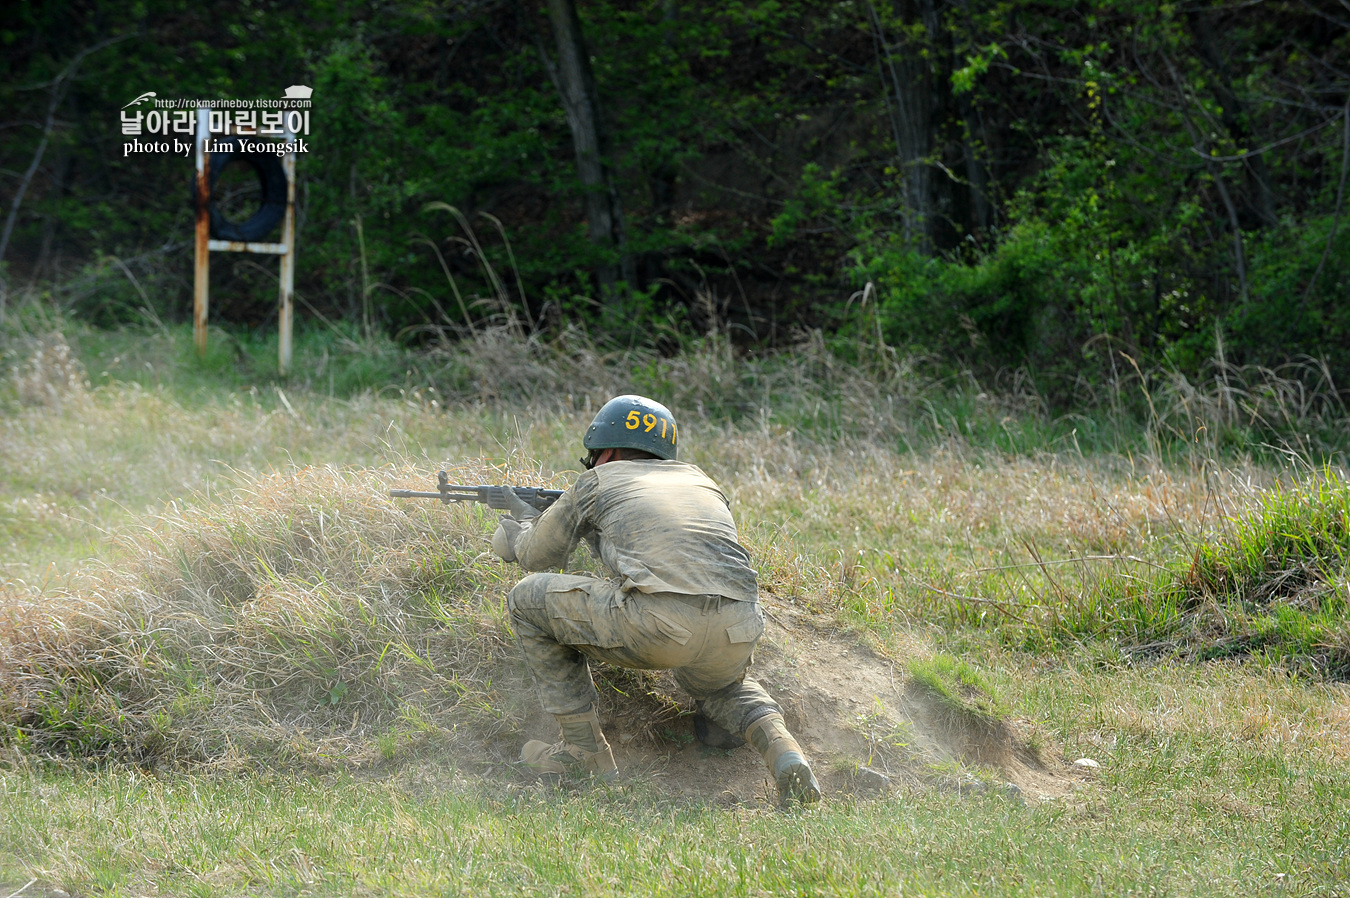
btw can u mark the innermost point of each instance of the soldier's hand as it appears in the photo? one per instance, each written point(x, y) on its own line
point(504, 540)
point(520, 509)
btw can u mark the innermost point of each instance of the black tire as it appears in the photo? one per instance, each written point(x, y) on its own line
point(271, 178)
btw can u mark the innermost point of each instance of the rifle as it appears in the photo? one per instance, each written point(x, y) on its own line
point(492, 496)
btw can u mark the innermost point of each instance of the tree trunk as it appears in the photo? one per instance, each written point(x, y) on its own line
point(60, 170)
point(977, 176)
point(1261, 199)
point(912, 119)
point(58, 88)
point(973, 139)
point(576, 84)
point(664, 173)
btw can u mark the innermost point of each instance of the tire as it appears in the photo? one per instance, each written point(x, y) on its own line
point(271, 178)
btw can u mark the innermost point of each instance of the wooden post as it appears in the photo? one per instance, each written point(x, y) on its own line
point(205, 245)
point(285, 312)
point(201, 281)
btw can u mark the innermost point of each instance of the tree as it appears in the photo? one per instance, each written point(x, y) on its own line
point(908, 85)
point(576, 86)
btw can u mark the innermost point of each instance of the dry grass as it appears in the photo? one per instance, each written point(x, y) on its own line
point(259, 598)
point(49, 375)
point(1298, 403)
point(304, 616)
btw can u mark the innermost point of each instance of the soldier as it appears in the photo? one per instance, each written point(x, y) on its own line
point(682, 597)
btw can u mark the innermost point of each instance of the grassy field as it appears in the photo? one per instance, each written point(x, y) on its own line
point(229, 665)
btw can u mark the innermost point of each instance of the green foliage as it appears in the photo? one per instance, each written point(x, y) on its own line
point(977, 65)
point(1301, 272)
point(818, 195)
point(1108, 181)
point(1124, 239)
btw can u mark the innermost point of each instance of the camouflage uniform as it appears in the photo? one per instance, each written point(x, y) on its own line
point(682, 597)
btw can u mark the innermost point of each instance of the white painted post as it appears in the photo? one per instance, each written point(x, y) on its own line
point(201, 278)
point(287, 288)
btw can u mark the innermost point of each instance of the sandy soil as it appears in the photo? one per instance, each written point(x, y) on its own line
point(866, 729)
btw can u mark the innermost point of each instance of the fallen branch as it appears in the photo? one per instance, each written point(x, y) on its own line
point(1008, 567)
point(998, 605)
point(58, 86)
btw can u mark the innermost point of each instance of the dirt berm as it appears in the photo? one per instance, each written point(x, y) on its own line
point(867, 726)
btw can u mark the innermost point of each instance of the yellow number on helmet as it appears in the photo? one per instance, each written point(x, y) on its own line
point(649, 421)
point(632, 421)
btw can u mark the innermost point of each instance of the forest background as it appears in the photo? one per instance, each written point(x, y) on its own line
point(1014, 332)
point(1050, 190)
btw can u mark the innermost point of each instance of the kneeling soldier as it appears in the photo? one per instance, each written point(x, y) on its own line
point(683, 597)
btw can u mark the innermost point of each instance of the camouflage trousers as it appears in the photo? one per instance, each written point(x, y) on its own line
point(707, 642)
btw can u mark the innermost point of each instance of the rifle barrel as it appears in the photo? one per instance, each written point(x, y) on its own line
point(492, 496)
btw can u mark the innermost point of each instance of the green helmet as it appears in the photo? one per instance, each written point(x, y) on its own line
point(633, 422)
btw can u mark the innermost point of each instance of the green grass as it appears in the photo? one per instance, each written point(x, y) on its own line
point(1266, 582)
point(1187, 816)
point(957, 688)
point(230, 666)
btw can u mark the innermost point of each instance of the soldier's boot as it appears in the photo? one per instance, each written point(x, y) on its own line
point(784, 758)
point(581, 751)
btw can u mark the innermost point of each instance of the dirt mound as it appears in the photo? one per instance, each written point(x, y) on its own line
point(867, 728)
point(313, 624)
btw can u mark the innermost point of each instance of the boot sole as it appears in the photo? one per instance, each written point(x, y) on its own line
point(795, 780)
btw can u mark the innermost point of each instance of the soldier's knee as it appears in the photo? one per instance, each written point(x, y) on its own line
point(528, 594)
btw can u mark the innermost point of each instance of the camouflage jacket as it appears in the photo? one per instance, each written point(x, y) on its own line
point(657, 526)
